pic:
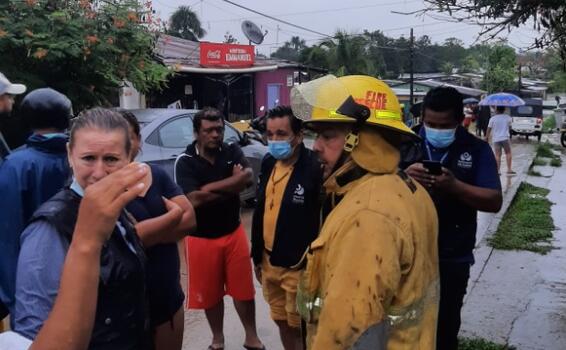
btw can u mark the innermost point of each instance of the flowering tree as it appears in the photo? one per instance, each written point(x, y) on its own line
point(83, 48)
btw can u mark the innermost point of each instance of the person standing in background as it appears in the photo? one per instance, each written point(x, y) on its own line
point(7, 92)
point(499, 132)
point(30, 176)
point(163, 217)
point(212, 174)
point(286, 219)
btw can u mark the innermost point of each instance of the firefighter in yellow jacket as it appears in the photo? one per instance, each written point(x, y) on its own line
point(371, 280)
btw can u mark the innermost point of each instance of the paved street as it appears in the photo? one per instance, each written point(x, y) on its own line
point(517, 297)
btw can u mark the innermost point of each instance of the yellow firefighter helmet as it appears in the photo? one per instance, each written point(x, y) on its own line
point(357, 99)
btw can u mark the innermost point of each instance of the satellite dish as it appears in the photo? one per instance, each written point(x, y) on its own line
point(252, 32)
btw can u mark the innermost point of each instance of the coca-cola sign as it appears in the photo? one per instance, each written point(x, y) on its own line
point(213, 55)
point(226, 55)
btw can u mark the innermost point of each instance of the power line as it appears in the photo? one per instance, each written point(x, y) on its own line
point(221, 9)
point(276, 19)
point(290, 32)
point(320, 11)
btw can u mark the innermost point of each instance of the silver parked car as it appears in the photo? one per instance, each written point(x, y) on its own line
point(167, 132)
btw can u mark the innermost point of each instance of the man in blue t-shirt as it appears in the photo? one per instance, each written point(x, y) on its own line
point(467, 182)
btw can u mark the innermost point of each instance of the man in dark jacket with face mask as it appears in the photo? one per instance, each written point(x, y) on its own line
point(286, 219)
point(30, 176)
point(460, 172)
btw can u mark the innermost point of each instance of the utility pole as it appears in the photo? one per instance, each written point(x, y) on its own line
point(411, 78)
point(277, 36)
point(520, 80)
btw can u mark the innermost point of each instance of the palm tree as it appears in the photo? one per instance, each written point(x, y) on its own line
point(297, 43)
point(184, 23)
point(347, 54)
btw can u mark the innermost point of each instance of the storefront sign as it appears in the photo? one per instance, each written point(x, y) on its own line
point(226, 55)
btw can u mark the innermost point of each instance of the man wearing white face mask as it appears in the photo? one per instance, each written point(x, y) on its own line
point(461, 174)
point(286, 219)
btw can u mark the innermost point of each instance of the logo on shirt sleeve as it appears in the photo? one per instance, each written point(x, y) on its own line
point(465, 160)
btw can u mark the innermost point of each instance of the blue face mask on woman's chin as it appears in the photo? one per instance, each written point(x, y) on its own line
point(280, 149)
point(440, 138)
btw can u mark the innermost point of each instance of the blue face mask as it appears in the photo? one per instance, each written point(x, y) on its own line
point(440, 138)
point(280, 149)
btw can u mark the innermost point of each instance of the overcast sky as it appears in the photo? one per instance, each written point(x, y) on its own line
point(326, 16)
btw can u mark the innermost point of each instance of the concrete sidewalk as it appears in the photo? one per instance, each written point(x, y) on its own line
point(518, 297)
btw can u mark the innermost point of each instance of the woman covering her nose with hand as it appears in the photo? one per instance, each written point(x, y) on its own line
point(99, 146)
point(71, 320)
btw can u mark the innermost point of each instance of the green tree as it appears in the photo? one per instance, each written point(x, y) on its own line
point(497, 16)
point(500, 74)
point(469, 65)
point(83, 50)
point(291, 50)
point(453, 51)
point(428, 56)
point(553, 62)
point(378, 51)
point(315, 56)
point(447, 67)
point(558, 83)
point(347, 54)
point(184, 23)
point(533, 62)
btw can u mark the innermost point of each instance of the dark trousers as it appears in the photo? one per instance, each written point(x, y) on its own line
point(453, 283)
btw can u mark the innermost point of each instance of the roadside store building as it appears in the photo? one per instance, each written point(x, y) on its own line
point(229, 77)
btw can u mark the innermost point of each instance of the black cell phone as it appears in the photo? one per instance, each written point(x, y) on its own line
point(434, 167)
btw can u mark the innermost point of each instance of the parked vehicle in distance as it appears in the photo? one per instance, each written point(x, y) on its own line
point(527, 119)
point(166, 133)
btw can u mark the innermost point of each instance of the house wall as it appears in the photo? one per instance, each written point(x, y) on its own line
point(264, 79)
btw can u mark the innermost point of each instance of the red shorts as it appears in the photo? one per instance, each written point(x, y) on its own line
point(218, 267)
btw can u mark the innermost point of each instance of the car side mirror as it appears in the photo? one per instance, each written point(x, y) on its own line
point(244, 139)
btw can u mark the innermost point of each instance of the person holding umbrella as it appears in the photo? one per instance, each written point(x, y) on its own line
point(498, 129)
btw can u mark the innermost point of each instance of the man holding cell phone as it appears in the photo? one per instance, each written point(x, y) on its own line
point(460, 172)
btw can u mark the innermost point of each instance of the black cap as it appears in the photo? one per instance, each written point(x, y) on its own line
point(45, 109)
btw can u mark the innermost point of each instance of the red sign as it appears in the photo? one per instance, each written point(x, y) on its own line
point(226, 55)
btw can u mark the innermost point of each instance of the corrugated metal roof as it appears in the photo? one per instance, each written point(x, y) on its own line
point(462, 89)
point(170, 47)
point(407, 92)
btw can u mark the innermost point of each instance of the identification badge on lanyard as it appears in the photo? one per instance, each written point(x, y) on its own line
point(442, 159)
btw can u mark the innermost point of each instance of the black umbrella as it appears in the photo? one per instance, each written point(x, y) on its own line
point(470, 100)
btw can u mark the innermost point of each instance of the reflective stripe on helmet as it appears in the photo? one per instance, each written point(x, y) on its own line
point(379, 114)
